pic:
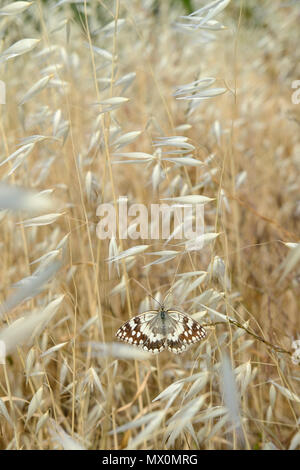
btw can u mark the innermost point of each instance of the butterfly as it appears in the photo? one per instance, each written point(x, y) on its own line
point(156, 330)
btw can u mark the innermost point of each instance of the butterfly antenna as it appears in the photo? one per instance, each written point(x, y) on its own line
point(170, 292)
point(161, 305)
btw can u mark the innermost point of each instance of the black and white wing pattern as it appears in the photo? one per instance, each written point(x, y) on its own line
point(155, 331)
point(184, 331)
point(142, 331)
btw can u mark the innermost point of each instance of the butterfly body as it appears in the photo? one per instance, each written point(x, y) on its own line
point(156, 330)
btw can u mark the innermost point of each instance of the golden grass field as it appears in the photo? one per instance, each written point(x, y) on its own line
point(67, 382)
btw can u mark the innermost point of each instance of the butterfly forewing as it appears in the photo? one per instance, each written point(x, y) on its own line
point(137, 331)
point(186, 331)
point(156, 330)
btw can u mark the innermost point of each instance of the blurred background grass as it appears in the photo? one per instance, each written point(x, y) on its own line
point(253, 133)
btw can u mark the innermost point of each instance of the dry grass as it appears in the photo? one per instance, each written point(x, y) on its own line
point(83, 393)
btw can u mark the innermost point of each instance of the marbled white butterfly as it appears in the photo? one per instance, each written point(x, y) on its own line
point(156, 330)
